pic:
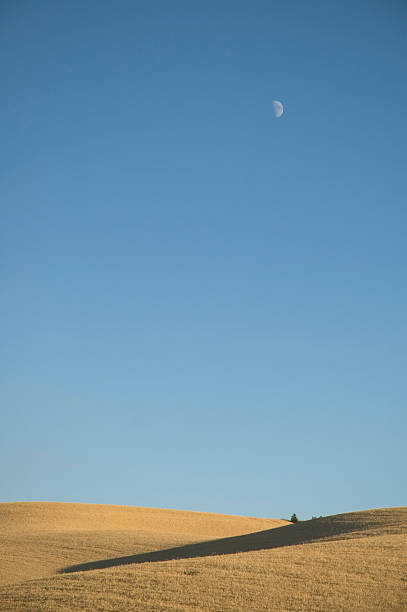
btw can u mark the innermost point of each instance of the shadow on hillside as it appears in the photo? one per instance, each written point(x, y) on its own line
point(288, 535)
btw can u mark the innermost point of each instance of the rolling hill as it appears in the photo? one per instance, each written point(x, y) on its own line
point(59, 556)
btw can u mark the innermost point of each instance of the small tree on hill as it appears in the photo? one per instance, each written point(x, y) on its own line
point(294, 518)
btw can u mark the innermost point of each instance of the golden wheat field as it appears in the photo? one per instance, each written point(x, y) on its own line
point(59, 556)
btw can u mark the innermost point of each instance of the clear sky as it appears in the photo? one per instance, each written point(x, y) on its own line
point(203, 306)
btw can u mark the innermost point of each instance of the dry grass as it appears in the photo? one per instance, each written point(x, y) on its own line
point(39, 539)
point(87, 557)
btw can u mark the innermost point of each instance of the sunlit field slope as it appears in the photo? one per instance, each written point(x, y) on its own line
point(91, 557)
point(40, 539)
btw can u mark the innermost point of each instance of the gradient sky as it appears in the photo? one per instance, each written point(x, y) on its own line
point(204, 307)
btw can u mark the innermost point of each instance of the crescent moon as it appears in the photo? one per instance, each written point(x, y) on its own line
point(278, 108)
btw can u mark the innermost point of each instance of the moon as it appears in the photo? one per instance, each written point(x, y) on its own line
point(278, 108)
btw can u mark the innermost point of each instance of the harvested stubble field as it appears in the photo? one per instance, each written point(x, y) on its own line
point(86, 557)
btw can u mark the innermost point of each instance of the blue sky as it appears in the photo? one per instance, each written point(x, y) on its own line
point(204, 306)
